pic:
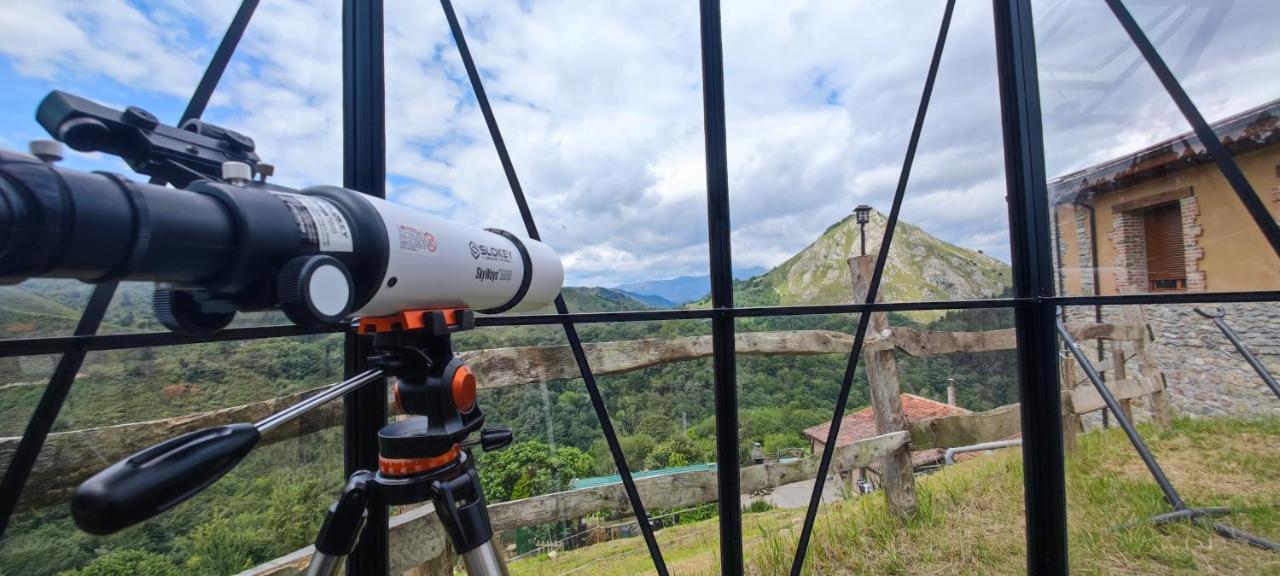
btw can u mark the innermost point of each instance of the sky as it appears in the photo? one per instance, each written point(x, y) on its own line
point(600, 104)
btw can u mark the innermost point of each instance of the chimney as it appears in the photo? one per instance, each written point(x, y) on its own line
point(951, 391)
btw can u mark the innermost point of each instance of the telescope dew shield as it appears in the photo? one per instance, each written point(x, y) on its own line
point(322, 254)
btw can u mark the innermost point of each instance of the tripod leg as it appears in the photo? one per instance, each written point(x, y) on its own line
point(461, 508)
point(342, 525)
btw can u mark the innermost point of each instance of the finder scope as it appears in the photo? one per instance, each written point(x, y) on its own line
point(227, 242)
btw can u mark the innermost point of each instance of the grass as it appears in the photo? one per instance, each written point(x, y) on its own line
point(970, 518)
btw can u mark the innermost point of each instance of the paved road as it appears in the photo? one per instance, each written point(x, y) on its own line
point(797, 495)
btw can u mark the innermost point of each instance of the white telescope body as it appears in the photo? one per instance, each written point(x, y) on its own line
point(438, 263)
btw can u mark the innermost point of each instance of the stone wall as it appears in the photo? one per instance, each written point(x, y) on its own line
point(1204, 374)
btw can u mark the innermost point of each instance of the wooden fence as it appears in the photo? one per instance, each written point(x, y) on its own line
point(70, 457)
point(418, 538)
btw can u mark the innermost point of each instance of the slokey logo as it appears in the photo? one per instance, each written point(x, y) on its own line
point(479, 251)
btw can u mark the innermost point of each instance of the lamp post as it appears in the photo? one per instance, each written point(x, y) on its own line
point(863, 212)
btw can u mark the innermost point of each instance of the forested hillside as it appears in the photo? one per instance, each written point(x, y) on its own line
point(274, 503)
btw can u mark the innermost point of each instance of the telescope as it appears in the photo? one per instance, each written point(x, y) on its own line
point(228, 241)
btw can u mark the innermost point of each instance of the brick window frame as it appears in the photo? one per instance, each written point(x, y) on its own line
point(1127, 237)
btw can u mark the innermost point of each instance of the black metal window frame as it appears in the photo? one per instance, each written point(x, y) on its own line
point(1034, 302)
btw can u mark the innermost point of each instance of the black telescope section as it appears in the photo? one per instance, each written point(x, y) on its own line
point(179, 155)
point(216, 248)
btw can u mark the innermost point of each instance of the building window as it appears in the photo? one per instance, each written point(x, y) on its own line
point(1166, 254)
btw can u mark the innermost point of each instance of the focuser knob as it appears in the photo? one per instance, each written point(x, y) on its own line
point(314, 290)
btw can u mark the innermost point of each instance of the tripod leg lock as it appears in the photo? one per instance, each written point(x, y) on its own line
point(461, 508)
point(346, 518)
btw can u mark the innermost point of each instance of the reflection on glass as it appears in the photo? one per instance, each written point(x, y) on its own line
point(953, 371)
point(1164, 220)
point(1207, 417)
point(1138, 206)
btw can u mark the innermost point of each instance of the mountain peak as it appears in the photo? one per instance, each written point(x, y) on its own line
point(921, 267)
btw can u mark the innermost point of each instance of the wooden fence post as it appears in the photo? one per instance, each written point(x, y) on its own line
point(1148, 367)
point(886, 400)
point(1118, 374)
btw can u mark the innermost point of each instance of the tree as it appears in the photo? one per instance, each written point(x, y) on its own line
point(681, 450)
point(128, 563)
point(636, 448)
point(527, 469)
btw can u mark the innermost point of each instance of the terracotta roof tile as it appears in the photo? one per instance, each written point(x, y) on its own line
point(862, 424)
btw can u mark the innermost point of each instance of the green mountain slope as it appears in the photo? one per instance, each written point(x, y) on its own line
point(921, 267)
point(24, 313)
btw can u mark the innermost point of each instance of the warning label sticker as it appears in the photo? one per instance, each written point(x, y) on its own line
point(323, 226)
point(416, 241)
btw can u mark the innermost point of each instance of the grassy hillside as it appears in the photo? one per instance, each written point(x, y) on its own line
point(971, 520)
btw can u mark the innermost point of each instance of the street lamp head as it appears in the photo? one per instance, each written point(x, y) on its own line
point(864, 213)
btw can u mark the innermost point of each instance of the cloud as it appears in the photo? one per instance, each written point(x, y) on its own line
point(600, 105)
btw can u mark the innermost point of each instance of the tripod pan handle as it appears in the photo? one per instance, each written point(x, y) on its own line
point(159, 478)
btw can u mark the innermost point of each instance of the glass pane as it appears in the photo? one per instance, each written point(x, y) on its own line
point(956, 379)
point(126, 400)
point(78, 50)
point(1138, 204)
point(1206, 416)
point(821, 102)
point(599, 106)
point(22, 382)
point(657, 387)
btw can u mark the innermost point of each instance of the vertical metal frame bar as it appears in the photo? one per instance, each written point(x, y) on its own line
point(364, 169)
point(724, 361)
point(64, 375)
point(873, 290)
point(570, 331)
point(1226, 164)
point(1044, 475)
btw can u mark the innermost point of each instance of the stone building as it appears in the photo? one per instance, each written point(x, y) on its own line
point(1164, 219)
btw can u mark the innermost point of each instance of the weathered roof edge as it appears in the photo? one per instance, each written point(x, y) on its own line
point(1252, 129)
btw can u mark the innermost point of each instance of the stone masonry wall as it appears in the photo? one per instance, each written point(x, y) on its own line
point(1130, 266)
point(1204, 374)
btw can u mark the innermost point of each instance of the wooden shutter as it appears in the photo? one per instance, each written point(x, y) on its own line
point(1162, 227)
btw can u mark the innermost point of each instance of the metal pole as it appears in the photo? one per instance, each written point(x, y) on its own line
point(1253, 361)
point(1044, 473)
point(562, 309)
point(364, 170)
point(724, 362)
point(873, 290)
point(1157, 472)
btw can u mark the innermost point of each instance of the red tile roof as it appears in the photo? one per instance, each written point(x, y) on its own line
point(862, 424)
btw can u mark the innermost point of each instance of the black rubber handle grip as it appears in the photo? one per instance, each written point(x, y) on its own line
point(159, 478)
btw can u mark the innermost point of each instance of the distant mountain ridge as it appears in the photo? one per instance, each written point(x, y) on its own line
point(684, 289)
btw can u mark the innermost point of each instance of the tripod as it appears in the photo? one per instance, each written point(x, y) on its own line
point(425, 457)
